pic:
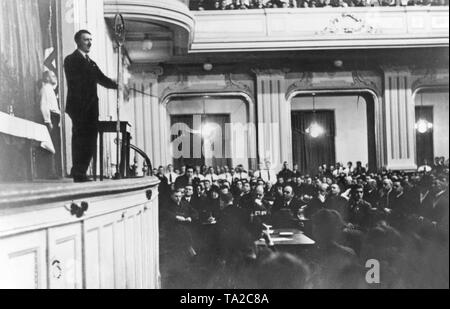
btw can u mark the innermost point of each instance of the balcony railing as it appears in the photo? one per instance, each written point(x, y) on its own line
point(201, 5)
point(320, 28)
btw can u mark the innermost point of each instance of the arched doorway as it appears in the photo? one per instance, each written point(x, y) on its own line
point(347, 129)
point(220, 128)
point(431, 124)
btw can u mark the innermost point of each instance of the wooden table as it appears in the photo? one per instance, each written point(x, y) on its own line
point(298, 238)
point(111, 127)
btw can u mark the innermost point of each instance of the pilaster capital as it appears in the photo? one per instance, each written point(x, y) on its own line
point(270, 73)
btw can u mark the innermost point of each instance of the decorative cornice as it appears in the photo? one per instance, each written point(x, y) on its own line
point(348, 24)
point(395, 69)
point(361, 81)
point(305, 82)
point(357, 81)
point(260, 72)
point(230, 86)
point(147, 72)
point(430, 78)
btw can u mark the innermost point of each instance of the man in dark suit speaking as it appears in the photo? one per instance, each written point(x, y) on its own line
point(82, 76)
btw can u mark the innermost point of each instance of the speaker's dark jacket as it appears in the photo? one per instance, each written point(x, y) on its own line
point(82, 79)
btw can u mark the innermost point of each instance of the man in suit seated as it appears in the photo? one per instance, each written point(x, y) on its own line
point(285, 173)
point(189, 195)
point(361, 213)
point(178, 217)
point(285, 211)
point(257, 211)
point(371, 194)
point(317, 203)
point(336, 202)
point(186, 179)
point(401, 206)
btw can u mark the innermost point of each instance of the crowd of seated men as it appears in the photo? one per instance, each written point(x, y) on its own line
point(201, 5)
point(215, 216)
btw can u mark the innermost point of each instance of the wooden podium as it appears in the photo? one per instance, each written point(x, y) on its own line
point(111, 127)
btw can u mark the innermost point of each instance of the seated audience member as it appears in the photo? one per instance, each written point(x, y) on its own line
point(211, 175)
point(207, 185)
point(295, 171)
point(317, 203)
point(386, 244)
point(283, 271)
point(171, 176)
point(330, 256)
point(226, 175)
point(285, 173)
point(236, 188)
point(401, 207)
point(181, 215)
point(359, 169)
point(257, 4)
point(244, 200)
point(241, 174)
point(387, 196)
point(285, 211)
point(259, 171)
point(198, 174)
point(299, 188)
point(372, 194)
point(182, 171)
point(267, 173)
point(434, 212)
point(257, 211)
point(336, 202)
point(361, 213)
point(164, 188)
point(186, 179)
point(211, 206)
point(189, 194)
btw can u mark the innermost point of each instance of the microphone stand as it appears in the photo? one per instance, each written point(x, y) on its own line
point(119, 27)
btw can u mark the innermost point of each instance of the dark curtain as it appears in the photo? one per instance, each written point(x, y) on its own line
point(310, 153)
point(178, 163)
point(21, 55)
point(424, 141)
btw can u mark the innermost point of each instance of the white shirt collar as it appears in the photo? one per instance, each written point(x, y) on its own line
point(82, 53)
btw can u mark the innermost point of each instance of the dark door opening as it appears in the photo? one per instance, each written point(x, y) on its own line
point(212, 130)
point(424, 141)
point(311, 152)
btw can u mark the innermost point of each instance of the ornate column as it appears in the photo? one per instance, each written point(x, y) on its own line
point(273, 118)
point(399, 119)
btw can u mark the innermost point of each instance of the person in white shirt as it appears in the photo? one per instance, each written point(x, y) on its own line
point(211, 176)
point(226, 175)
point(51, 115)
point(349, 169)
point(269, 175)
point(258, 173)
point(49, 102)
point(240, 173)
point(198, 174)
point(171, 175)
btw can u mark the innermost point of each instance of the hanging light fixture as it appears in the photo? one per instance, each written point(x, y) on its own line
point(147, 44)
point(315, 129)
point(422, 125)
point(207, 130)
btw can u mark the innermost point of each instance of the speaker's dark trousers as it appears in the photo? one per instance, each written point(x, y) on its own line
point(84, 145)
